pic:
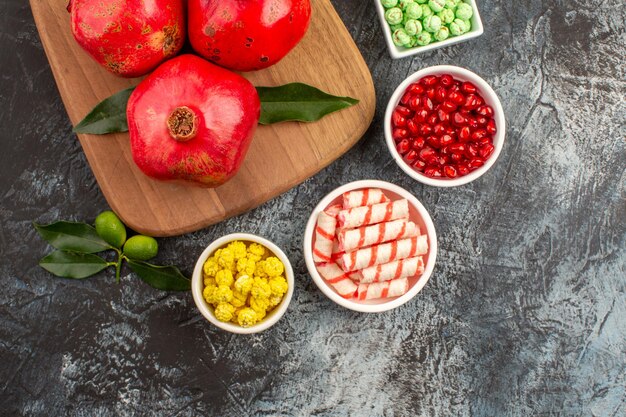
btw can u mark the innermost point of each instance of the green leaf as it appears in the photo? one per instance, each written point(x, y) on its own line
point(73, 265)
point(70, 236)
point(298, 102)
point(109, 116)
point(167, 278)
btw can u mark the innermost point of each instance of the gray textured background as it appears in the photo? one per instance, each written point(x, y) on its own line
point(524, 314)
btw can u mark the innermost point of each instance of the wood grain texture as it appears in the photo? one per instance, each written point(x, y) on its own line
point(280, 157)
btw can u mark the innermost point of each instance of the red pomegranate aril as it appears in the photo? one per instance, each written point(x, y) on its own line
point(473, 124)
point(398, 120)
point(432, 172)
point(440, 94)
point(482, 120)
point(429, 80)
point(451, 131)
point(484, 141)
point(462, 169)
point(457, 148)
point(443, 116)
point(471, 102)
point(450, 171)
point(439, 129)
point(406, 97)
point(434, 141)
point(445, 150)
point(457, 98)
point(427, 103)
point(471, 151)
point(464, 134)
point(468, 87)
point(415, 103)
point(410, 156)
point(419, 165)
point(430, 93)
point(415, 88)
point(456, 157)
point(418, 143)
point(491, 127)
point(403, 146)
point(427, 153)
point(404, 111)
point(459, 119)
point(432, 119)
point(443, 160)
point(475, 163)
point(400, 133)
point(446, 80)
point(412, 126)
point(426, 130)
point(421, 115)
point(486, 151)
point(446, 140)
point(485, 111)
point(478, 134)
point(448, 106)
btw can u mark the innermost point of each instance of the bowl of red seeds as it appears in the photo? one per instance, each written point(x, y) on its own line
point(444, 126)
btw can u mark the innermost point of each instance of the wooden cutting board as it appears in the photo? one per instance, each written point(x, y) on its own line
point(280, 157)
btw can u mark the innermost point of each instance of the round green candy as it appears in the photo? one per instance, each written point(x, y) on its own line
point(446, 16)
point(442, 34)
point(421, 1)
point(413, 11)
point(413, 27)
point(451, 4)
point(403, 4)
point(426, 11)
point(458, 27)
point(396, 27)
point(394, 16)
point(424, 38)
point(437, 5)
point(387, 4)
point(401, 38)
point(432, 23)
point(464, 11)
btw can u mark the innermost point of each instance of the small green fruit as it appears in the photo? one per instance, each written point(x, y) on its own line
point(110, 228)
point(141, 248)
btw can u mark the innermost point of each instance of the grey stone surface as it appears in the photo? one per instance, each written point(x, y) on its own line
point(524, 314)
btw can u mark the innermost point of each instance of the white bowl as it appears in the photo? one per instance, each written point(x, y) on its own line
point(488, 95)
point(418, 214)
point(402, 52)
point(197, 285)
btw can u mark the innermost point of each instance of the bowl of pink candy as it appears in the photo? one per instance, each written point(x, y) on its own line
point(370, 246)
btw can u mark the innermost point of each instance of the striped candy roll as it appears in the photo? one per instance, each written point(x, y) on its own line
point(393, 288)
point(338, 279)
point(387, 252)
point(325, 234)
point(383, 212)
point(393, 270)
point(365, 197)
point(379, 233)
point(337, 253)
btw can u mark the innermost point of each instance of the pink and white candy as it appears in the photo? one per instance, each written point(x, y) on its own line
point(394, 288)
point(338, 279)
point(393, 270)
point(377, 213)
point(387, 252)
point(364, 197)
point(352, 239)
point(325, 234)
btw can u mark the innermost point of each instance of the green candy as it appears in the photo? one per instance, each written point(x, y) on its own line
point(394, 16)
point(421, 1)
point(426, 11)
point(442, 34)
point(401, 38)
point(413, 11)
point(403, 4)
point(396, 27)
point(423, 38)
point(432, 23)
point(387, 4)
point(437, 5)
point(413, 27)
point(458, 27)
point(464, 11)
point(446, 16)
point(451, 4)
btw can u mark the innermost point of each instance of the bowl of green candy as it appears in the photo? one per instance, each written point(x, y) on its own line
point(414, 26)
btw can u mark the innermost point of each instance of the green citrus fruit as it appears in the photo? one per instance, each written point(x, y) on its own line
point(141, 247)
point(110, 228)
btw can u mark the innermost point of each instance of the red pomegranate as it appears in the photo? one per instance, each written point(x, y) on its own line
point(128, 37)
point(247, 35)
point(192, 120)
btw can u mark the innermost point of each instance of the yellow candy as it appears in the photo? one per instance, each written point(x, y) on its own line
point(225, 258)
point(275, 300)
point(273, 266)
point(247, 317)
point(260, 305)
point(208, 281)
point(210, 267)
point(223, 294)
point(224, 312)
point(256, 249)
point(209, 293)
point(224, 277)
point(278, 285)
point(244, 284)
point(238, 249)
point(261, 288)
point(239, 299)
point(260, 269)
point(246, 266)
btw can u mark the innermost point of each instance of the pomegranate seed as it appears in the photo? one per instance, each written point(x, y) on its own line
point(471, 121)
point(429, 80)
point(444, 150)
point(464, 134)
point(450, 171)
point(419, 165)
point(403, 146)
point(471, 102)
point(484, 141)
point(485, 111)
point(399, 133)
point(486, 151)
point(446, 140)
point(468, 87)
point(426, 130)
point(404, 111)
point(457, 98)
point(457, 148)
point(410, 156)
point(448, 106)
point(440, 94)
point(479, 101)
point(434, 141)
point(439, 129)
point(418, 143)
point(478, 134)
point(491, 127)
point(415, 88)
point(398, 120)
point(450, 131)
point(446, 80)
point(412, 126)
point(462, 169)
point(482, 120)
point(427, 153)
point(471, 151)
point(443, 116)
point(432, 119)
point(427, 103)
point(421, 115)
point(432, 172)
point(459, 119)
point(414, 103)
point(406, 98)
point(456, 157)
point(430, 93)
point(443, 160)
point(475, 163)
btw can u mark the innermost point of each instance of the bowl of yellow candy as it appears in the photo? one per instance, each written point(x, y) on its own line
point(242, 283)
